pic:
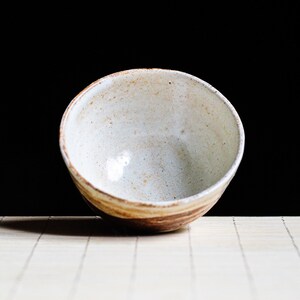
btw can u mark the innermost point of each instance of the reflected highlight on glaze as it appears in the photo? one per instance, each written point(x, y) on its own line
point(115, 166)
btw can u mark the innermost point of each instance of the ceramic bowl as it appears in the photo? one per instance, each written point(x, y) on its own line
point(151, 149)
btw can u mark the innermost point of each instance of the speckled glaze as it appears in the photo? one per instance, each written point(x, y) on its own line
point(151, 149)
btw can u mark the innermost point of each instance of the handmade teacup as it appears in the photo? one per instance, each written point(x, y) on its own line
point(152, 149)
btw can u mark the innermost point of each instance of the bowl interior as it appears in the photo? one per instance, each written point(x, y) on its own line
point(150, 135)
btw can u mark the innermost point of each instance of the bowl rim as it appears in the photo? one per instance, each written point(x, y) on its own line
point(167, 203)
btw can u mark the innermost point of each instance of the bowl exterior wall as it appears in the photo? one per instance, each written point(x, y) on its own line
point(146, 216)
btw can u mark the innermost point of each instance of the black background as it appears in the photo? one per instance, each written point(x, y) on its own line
point(249, 52)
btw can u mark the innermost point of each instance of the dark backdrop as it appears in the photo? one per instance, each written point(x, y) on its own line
point(249, 52)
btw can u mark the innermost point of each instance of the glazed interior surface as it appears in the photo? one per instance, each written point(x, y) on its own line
point(150, 135)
